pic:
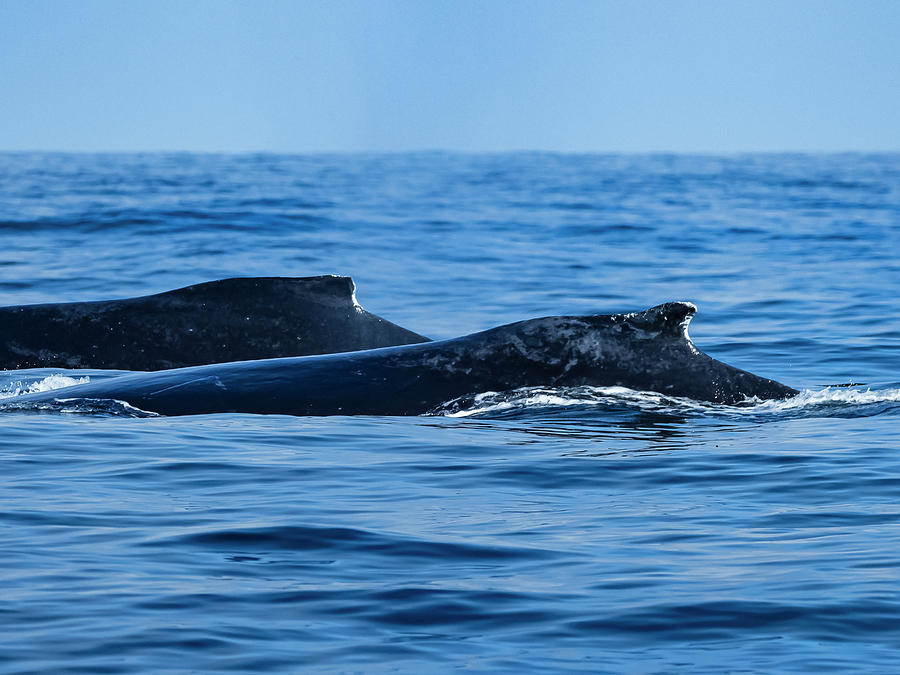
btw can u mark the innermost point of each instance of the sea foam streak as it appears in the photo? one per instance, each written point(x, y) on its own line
point(830, 401)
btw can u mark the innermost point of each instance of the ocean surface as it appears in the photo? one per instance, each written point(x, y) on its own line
point(602, 531)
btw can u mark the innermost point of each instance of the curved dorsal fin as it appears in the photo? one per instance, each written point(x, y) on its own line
point(234, 319)
point(669, 319)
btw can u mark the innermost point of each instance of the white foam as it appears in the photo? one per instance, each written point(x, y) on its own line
point(827, 399)
point(829, 396)
point(492, 402)
point(55, 381)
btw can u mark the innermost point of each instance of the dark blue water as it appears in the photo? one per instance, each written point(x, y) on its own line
point(595, 530)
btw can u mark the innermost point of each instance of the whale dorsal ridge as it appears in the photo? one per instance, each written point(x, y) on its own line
point(327, 289)
point(670, 319)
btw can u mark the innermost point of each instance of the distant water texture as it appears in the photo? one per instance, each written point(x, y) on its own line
point(596, 530)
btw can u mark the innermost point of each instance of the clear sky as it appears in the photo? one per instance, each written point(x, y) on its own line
point(294, 76)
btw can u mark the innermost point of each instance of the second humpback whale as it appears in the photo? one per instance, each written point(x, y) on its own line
point(647, 350)
point(214, 322)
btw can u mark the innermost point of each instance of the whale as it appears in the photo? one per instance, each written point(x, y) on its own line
point(214, 322)
point(647, 351)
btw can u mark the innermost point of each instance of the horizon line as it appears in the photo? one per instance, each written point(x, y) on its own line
point(446, 151)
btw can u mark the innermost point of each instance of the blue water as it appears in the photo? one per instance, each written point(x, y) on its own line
point(593, 530)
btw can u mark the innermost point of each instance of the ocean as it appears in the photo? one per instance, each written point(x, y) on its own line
point(598, 530)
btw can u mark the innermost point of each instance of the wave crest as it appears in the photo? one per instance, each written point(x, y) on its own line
point(85, 406)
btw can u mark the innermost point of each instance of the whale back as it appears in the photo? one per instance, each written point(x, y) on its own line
point(219, 321)
point(657, 354)
point(648, 350)
point(644, 351)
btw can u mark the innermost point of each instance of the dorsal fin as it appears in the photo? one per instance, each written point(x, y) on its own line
point(214, 322)
point(670, 319)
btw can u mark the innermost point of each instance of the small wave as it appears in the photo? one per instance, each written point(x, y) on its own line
point(12, 390)
point(253, 541)
point(827, 402)
point(55, 381)
point(84, 406)
point(830, 396)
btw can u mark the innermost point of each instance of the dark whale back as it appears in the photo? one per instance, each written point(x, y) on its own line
point(215, 322)
point(644, 351)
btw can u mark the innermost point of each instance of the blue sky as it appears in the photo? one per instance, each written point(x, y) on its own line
point(292, 76)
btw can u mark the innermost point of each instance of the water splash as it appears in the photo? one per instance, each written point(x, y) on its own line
point(90, 406)
point(54, 381)
point(830, 396)
point(827, 402)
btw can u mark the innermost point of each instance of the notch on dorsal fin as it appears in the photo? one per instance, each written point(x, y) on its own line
point(669, 319)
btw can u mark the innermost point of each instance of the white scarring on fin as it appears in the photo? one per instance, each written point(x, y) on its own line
point(356, 305)
point(687, 321)
point(657, 319)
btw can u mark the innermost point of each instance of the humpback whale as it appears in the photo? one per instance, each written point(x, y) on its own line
point(647, 350)
point(215, 322)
